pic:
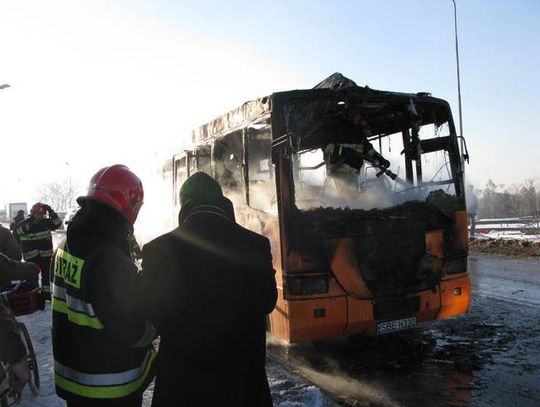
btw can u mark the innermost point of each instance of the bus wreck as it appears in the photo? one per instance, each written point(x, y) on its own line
point(381, 256)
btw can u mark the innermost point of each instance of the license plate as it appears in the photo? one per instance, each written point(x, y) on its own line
point(395, 325)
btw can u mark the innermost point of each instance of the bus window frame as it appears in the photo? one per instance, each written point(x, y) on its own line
point(271, 166)
point(176, 160)
point(243, 182)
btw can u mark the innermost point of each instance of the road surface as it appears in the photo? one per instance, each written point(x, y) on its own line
point(489, 357)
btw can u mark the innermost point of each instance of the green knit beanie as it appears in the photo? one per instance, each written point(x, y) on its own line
point(200, 189)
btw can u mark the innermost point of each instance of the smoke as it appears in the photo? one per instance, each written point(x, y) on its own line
point(157, 215)
point(368, 193)
point(333, 379)
point(336, 382)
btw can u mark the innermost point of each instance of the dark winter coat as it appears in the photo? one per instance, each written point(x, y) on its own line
point(11, 346)
point(11, 269)
point(98, 334)
point(8, 244)
point(208, 286)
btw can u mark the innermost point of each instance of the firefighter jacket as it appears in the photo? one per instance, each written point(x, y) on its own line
point(208, 286)
point(344, 158)
point(35, 236)
point(102, 347)
point(347, 147)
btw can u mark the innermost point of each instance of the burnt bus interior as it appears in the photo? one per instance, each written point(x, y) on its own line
point(344, 258)
point(386, 220)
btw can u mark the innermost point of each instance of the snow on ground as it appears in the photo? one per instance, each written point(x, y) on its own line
point(508, 234)
point(287, 390)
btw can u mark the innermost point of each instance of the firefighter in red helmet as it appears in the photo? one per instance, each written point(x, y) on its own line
point(34, 234)
point(102, 347)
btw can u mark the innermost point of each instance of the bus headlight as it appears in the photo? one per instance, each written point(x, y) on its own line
point(456, 265)
point(307, 285)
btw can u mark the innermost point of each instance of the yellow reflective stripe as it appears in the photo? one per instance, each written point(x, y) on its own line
point(31, 254)
point(76, 317)
point(73, 303)
point(46, 253)
point(36, 236)
point(46, 289)
point(105, 392)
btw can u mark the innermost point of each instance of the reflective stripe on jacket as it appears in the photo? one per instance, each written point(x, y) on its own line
point(106, 385)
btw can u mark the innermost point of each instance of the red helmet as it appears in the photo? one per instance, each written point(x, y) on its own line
point(116, 186)
point(37, 208)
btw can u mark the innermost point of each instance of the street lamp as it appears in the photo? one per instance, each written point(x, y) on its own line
point(458, 78)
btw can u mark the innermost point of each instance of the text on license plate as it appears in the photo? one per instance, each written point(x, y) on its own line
point(396, 325)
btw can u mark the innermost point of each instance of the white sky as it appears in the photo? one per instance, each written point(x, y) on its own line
point(93, 85)
point(99, 82)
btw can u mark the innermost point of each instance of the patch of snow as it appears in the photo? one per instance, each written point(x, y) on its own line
point(514, 234)
point(39, 327)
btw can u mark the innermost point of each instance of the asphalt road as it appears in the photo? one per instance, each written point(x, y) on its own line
point(489, 357)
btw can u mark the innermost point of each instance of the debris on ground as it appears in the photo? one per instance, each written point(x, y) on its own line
point(505, 247)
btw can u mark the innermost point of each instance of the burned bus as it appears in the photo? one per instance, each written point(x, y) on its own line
point(383, 256)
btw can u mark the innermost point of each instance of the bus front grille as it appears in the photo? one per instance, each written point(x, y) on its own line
point(396, 308)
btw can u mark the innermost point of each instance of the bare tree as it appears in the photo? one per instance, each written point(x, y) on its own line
point(60, 195)
point(529, 194)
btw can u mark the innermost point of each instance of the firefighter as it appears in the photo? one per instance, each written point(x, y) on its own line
point(102, 347)
point(208, 286)
point(348, 148)
point(36, 240)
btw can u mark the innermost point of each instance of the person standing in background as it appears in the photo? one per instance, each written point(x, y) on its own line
point(472, 209)
point(36, 240)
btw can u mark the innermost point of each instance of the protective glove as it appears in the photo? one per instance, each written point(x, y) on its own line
point(385, 163)
point(19, 374)
point(47, 208)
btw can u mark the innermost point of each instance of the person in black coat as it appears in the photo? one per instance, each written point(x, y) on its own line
point(12, 349)
point(9, 245)
point(207, 286)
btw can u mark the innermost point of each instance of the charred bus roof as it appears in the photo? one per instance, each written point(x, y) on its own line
point(387, 112)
